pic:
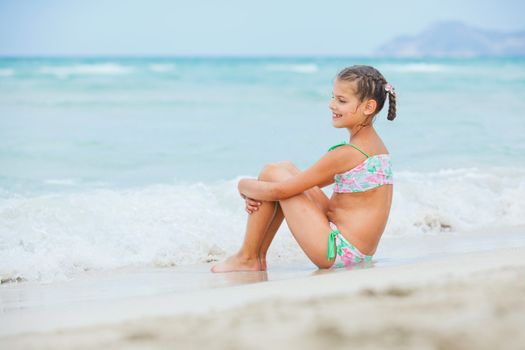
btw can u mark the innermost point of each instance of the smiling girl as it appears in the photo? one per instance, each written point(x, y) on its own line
point(346, 228)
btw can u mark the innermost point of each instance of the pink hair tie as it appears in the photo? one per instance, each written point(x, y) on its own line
point(389, 88)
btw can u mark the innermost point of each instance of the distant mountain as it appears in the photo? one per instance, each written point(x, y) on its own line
point(455, 39)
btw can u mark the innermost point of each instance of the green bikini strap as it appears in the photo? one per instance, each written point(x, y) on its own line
point(339, 144)
point(359, 149)
point(350, 144)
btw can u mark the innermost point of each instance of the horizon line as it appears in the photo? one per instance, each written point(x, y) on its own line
point(254, 56)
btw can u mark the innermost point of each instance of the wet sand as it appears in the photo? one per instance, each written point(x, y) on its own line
point(463, 301)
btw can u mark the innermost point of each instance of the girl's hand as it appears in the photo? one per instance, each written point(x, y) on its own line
point(251, 204)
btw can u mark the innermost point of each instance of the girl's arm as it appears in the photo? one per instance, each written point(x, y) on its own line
point(256, 189)
point(319, 174)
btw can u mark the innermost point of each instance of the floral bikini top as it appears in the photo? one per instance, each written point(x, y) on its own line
point(373, 172)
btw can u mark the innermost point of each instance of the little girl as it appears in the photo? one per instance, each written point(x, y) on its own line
point(346, 228)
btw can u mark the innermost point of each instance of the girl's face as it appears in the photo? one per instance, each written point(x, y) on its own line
point(345, 105)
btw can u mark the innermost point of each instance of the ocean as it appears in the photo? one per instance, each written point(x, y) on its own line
point(113, 162)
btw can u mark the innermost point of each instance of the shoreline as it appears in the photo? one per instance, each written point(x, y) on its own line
point(393, 250)
point(469, 274)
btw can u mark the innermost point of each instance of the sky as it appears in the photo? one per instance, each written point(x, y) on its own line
point(231, 27)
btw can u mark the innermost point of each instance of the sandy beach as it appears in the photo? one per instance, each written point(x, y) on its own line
point(462, 301)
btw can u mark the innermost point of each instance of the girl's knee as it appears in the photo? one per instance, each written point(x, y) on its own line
point(288, 165)
point(276, 171)
point(267, 171)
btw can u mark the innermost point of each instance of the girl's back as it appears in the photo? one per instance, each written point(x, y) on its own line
point(361, 202)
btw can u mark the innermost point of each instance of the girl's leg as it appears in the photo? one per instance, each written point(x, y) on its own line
point(263, 224)
point(247, 258)
point(259, 222)
point(306, 217)
point(315, 194)
point(270, 234)
point(309, 226)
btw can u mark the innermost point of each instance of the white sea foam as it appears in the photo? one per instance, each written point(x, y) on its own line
point(296, 68)
point(457, 200)
point(86, 69)
point(51, 237)
point(65, 182)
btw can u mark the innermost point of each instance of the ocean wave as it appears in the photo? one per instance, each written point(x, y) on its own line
point(7, 72)
point(296, 68)
point(457, 200)
point(86, 69)
point(63, 182)
point(52, 237)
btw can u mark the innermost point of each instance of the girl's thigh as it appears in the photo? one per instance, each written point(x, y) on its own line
point(309, 226)
point(305, 214)
point(319, 198)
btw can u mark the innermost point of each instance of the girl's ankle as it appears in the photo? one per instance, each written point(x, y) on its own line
point(247, 256)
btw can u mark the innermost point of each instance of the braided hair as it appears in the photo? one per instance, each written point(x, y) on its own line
point(371, 85)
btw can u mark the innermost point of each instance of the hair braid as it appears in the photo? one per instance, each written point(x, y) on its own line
point(391, 106)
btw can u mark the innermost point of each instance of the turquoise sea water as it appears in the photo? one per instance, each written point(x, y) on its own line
point(142, 121)
point(106, 162)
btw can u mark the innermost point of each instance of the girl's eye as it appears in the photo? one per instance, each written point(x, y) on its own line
point(338, 100)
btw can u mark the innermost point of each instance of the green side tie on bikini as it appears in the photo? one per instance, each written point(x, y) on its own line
point(344, 252)
point(331, 243)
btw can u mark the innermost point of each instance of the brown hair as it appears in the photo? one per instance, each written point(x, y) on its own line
point(370, 85)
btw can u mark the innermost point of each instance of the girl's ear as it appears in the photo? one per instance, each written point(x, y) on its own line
point(370, 107)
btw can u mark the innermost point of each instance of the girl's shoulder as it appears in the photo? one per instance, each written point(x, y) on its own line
point(342, 143)
point(367, 145)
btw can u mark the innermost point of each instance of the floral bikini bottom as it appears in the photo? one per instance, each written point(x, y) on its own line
point(345, 252)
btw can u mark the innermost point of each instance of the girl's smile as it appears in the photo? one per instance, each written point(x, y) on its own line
point(344, 104)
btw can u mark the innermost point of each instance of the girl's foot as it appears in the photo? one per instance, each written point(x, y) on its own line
point(262, 263)
point(237, 263)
